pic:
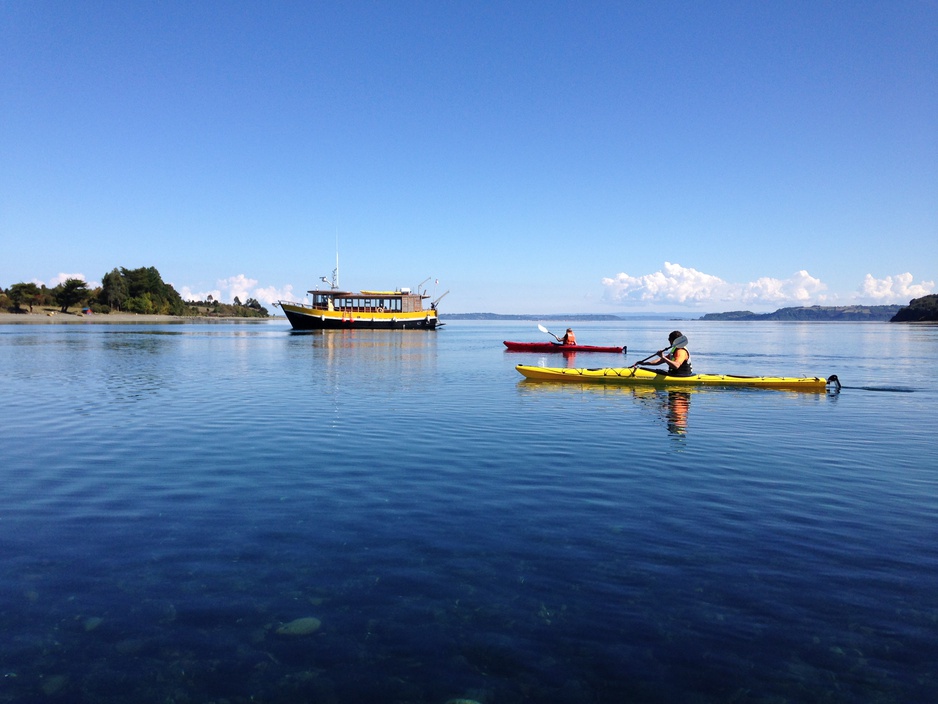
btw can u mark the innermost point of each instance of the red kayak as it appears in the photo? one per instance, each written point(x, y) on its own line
point(557, 347)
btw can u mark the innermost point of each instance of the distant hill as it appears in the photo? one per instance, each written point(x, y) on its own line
point(919, 307)
point(819, 313)
point(919, 310)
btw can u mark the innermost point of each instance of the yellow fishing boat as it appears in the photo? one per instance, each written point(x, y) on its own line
point(333, 308)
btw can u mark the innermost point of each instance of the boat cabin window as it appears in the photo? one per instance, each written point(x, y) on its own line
point(359, 304)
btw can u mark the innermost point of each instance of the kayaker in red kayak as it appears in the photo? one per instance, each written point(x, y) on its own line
point(677, 358)
point(569, 338)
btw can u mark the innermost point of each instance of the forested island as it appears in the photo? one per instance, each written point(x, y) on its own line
point(919, 310)
point(122, 290)
point(924, 309)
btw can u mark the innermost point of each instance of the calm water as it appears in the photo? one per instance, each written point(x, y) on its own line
point(173, 495)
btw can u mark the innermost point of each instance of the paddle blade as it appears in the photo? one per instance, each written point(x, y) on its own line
point(679, 343)
point(543, 329)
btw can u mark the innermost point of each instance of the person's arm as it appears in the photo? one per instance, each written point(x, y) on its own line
point(680, 356)
point(652, 362)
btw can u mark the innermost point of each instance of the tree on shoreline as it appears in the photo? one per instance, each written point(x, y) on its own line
point(24, 293)
point(70, 292)
point(113, 290)
point(139, 291)
point(125, 290)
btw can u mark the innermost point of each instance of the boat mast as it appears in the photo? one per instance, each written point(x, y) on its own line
point(334, 284)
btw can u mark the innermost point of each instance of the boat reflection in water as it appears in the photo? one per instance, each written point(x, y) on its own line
point(361, 349)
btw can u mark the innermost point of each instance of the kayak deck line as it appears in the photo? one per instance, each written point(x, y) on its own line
point(630, 375)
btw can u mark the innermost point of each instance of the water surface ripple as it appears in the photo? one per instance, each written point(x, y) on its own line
point(173, 495)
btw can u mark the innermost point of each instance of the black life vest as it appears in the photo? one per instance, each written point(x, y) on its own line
point(685, 369)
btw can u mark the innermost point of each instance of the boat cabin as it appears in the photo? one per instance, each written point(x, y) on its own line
point(402, 301)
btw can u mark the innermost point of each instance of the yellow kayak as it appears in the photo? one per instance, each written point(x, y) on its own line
point(628, 375)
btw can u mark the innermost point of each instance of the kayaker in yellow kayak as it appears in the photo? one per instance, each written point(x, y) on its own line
point(676, 357)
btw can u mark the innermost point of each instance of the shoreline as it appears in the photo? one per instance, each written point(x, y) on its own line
point(52, 317)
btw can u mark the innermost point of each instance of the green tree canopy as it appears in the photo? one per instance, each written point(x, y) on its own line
point(140, 291)
point(24, 293)
point(113, 290)
point(70, 293)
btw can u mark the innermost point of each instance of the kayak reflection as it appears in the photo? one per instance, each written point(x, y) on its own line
point(672, 407)
point(678, 406)
point(568, 356)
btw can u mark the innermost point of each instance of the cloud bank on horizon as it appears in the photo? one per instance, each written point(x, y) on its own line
point(678, 285)
point(239, 286)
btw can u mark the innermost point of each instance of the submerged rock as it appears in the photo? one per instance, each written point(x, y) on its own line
point(54, 684)
point(300, 627)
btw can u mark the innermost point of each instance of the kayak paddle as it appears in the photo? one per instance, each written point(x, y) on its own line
point(677, 344)
point(543, 329)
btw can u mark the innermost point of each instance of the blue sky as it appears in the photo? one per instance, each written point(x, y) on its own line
point(534, 157)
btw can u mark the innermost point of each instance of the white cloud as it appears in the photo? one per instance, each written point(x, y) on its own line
point(188, 294)
point(271, 295)
point(800, 287)
point(242, 287)
point(62, 278)
point(681, 285)
point(893, 289)
point(238, 286)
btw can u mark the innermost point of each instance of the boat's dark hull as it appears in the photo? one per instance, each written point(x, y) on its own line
point(305, 318)
point(551, 347)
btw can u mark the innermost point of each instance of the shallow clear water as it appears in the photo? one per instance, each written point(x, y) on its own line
point(175, 494)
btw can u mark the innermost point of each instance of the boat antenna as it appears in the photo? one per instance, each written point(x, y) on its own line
point(334, 284)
